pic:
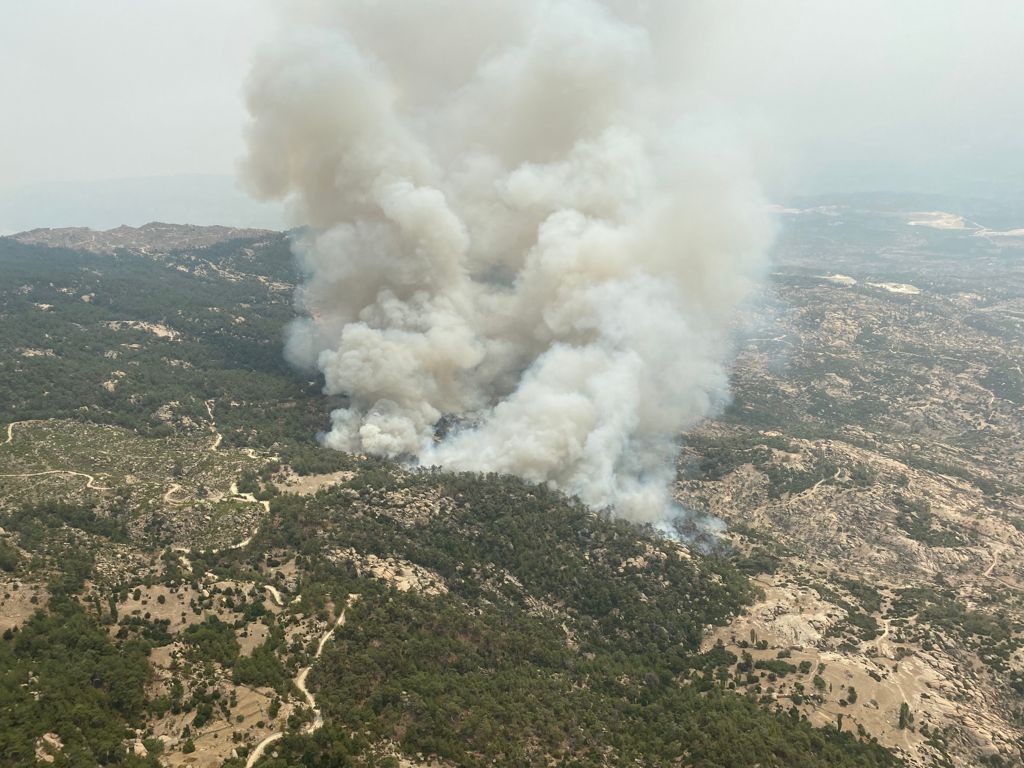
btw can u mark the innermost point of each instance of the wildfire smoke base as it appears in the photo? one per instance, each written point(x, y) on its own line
point(514, 220)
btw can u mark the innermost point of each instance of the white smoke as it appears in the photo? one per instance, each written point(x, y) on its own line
point(515, 221)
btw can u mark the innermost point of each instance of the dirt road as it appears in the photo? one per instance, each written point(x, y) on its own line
point(300, 683)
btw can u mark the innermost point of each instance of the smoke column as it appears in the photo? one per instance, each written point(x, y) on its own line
point(515, 221)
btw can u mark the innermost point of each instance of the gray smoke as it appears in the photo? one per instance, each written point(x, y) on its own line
point(515, 222)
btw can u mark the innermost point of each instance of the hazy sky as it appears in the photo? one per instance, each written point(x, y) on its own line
point(907, 95)
point(97, 92)
point(831, 96)
point(111, 88)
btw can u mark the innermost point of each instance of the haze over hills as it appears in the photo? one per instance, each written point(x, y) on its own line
point(154, 237)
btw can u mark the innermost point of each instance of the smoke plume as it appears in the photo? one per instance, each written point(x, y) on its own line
point(517, 228)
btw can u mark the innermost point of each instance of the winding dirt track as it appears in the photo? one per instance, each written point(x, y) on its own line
point(91, 484)
point(217, 436)
point(992, 565)
point(275, 594)
point(12, 425)
point(169, 494)
point(91, 481)
point(810, 491)
point(300, 683)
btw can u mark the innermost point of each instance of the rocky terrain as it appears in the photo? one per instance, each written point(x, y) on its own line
point(871, 466)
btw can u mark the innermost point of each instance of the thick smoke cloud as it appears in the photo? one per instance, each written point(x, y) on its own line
point(517, 228)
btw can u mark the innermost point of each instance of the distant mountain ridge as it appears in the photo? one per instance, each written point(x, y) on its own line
point(103, 204)
point(156, 236)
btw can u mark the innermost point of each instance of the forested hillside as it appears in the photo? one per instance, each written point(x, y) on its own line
point(188, 579)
